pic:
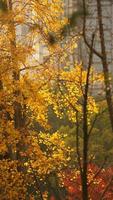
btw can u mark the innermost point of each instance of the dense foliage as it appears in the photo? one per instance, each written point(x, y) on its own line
point(38, 156)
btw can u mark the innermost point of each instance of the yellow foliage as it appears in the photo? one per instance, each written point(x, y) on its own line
point(68, 96)
point(28, 88)
point(11, 181)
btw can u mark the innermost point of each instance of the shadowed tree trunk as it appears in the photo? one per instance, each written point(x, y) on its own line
point(84, 177)
point(105, 63)
point(102, 55)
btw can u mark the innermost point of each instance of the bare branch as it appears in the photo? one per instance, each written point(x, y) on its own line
point(84, 33)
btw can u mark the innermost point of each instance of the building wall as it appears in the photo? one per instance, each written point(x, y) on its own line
point(81, 53)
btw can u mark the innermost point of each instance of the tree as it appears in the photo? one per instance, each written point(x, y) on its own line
point(26, 157)
point(102, 55)
point(105, 63)
point(31, 161)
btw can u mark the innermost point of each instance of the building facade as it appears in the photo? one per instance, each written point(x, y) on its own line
point(81, 53)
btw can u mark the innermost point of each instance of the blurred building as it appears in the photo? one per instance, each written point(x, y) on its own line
point(81, 53)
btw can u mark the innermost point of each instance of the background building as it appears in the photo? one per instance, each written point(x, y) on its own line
point(81, 53)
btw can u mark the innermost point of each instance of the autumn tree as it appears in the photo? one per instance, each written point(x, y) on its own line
point(27, 157)
point(31, 161)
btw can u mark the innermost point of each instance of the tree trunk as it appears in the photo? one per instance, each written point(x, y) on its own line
point(105, 64)
point(84, 177)
point(17, 106)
